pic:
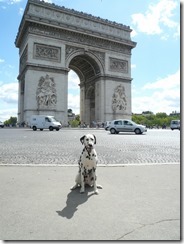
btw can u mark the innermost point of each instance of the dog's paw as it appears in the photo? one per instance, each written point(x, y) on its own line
point(99, 187)
point(73, 187)
point(96, 192)
point(82, 190)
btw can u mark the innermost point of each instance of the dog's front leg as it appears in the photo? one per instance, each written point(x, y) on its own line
point(82, 190)
point(95, 184)
point(77, 181)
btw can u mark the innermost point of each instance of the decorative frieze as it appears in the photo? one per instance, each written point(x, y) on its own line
point(118, 65)
point(119, 101)
point(100, 56)
point(82, 39)
point(46, 92)
point(46, 52)
point(71, 49)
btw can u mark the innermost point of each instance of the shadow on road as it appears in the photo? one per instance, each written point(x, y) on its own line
point(74, 199)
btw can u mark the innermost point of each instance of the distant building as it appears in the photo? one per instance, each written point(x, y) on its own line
point(174, 113)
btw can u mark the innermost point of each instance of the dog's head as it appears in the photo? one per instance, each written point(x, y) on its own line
point(88, 140)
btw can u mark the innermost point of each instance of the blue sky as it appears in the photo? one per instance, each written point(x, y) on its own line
point(155, 60)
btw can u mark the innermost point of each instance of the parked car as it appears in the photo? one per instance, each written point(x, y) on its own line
point(125, 125)
point(175, 125)
point(1, 124)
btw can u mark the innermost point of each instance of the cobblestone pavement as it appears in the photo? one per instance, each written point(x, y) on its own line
point(24, 146)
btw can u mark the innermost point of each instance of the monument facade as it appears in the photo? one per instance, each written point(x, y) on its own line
point(51, 41)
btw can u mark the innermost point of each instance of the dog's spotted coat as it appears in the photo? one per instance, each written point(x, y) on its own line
point(87, 164)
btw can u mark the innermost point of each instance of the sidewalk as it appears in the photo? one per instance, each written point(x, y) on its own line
point(136, 203)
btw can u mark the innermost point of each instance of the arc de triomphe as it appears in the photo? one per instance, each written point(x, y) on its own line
point(51, 41)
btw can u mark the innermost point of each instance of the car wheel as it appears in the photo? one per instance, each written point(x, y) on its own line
point(34, 128)
point(57, 129)
point(41, 129)
point(50, 128)
point(113, 131)
point(137, 131)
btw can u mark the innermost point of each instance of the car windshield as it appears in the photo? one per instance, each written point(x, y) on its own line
point(52, 119)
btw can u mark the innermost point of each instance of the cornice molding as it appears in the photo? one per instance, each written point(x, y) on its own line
point(81, 39)
point(69, 19)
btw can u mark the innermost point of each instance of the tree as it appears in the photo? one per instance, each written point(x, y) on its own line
point(149, 119)
point(161, 115)
point(11, 121)
point(70, 111)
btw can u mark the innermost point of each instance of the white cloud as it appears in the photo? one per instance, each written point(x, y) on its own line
point(165, 96)
point(21, 11)
point(10, 1)
point(133, 33)
point(73, 92)
point(1, 60)
point(73, 80)
point(5, 114)
point(74, 103)
point(133, 66)
point(156, 18)
point(167, 83)
point(9, 93)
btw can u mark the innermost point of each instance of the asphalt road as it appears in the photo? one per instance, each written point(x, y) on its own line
point(27, 147)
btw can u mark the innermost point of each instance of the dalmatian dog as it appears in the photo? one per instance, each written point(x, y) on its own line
point(87, 165)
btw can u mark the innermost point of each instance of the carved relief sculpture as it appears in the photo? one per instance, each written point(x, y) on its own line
point(119, 101)
point(46, 92)
point(118, 65)
point(46, 52)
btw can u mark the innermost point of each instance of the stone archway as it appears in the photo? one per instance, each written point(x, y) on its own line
point(89, 70)
point(51, 41)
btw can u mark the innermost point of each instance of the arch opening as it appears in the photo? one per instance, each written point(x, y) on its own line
point(88, 71)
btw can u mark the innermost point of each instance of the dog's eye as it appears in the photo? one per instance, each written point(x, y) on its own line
point(87, 139)
point(92, 139)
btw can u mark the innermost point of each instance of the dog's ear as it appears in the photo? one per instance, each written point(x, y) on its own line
point(82, 139)
point(95, 139)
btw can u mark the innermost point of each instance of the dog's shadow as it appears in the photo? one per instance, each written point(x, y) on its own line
point(74, 199)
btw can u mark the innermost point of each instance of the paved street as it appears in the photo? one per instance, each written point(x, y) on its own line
point(24, 146)
point(136, 203)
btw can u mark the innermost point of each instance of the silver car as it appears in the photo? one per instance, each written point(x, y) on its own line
point(175, 124)
point(125, 125)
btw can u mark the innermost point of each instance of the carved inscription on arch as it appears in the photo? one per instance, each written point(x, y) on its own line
point(118, 65)
point(47, 52)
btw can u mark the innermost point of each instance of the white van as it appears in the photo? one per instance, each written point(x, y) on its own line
point(175, 124)
point(44, 122)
